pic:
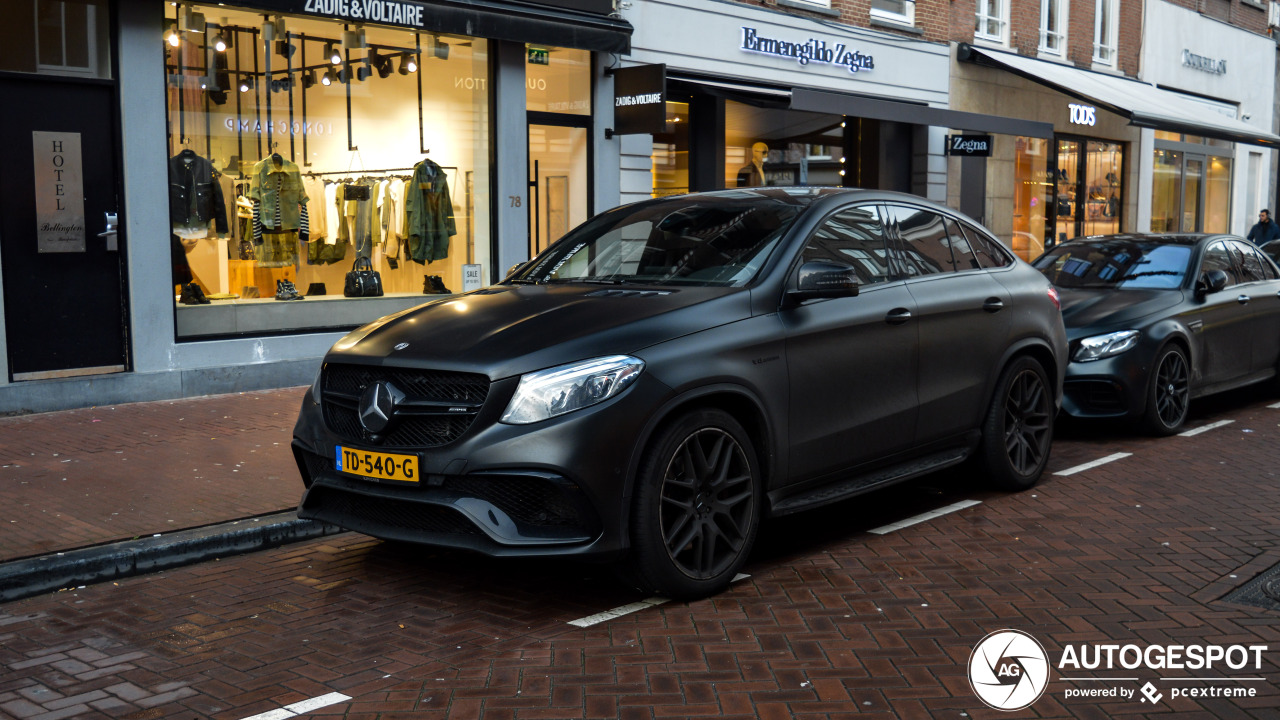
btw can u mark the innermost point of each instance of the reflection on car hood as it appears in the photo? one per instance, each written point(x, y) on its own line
point(1105, 308)
point(508, 330)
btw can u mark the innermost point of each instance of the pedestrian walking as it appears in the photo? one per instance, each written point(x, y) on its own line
point(1265, 230)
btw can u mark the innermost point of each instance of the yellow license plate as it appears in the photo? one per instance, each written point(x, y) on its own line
point(377, 465)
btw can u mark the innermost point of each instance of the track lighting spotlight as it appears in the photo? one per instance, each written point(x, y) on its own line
point(219, 43)
point(285, 49)
point(308, 78)
point(332, 53)
point(408, 64)
point(172, 38)
point(364, 71)
point(327, 78)
point(381, 63)
point(246, 84)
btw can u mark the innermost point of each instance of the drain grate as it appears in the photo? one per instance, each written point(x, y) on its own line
point(1261, 592)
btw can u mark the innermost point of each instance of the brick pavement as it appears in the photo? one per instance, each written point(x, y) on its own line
point(833, 622)
point(84, 477)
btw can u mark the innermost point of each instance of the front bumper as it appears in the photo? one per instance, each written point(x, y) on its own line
point(558, 487)
point(1108, 388)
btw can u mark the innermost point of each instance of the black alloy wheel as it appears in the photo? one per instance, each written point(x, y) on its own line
point(1169, 397)
point(698, 507)
point(1018, 431)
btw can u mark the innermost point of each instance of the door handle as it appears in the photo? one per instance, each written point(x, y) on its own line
point(993, 305)
point(112, 231)
point(897, 316)
point(1243, 299)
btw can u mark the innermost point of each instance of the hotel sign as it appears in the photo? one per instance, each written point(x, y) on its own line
point(59, 192)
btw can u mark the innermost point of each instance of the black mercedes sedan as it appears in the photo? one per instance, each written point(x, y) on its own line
point(671, 372)
point(1158, 320)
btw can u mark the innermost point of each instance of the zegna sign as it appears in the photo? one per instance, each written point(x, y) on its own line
point(812, 50)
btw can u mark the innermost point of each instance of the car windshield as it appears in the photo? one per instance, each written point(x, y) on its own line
point(1115, 264)
point(720, 240)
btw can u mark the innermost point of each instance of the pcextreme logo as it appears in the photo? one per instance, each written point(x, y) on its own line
point(1009, 670)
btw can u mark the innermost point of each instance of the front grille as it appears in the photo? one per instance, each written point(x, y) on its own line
point(411, 427)
point(529, 501)
point(468, 388)
point(366, 513)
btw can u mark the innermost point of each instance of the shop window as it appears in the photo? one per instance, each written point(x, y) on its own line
point(1089, 187)
point(1217, 195)
point(1166, 190)
point(1104, 32)
point(1030, 194)
point(1191, 190)
point(770, 146)
point(898, 11)
point(1053, 28)
point(671, 152)
point(287, 167)
point(56, 37)
point(992, 21)
point(558, 80)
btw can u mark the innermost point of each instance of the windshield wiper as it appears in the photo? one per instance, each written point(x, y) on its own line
point(1146, 273)
point(522, 281)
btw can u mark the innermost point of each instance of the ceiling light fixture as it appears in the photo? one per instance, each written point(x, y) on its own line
point(172, 37)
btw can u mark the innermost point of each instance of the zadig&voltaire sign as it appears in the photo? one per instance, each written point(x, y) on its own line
point(392, 12)
point(812, 50)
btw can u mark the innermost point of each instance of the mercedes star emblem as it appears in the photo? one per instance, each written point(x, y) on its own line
point(378, 405)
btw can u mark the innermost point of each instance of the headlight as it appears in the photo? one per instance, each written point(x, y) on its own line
point(315, 386)
point(1100, 346)
point(555, 391)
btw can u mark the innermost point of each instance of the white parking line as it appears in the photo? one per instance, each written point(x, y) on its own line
point(627, 609)
point(1205, 428)
point(886, 529)
point(298, 708)
point(1094, 464)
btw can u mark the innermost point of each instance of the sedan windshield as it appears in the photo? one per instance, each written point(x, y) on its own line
point(1115, 264)
point(710, 240)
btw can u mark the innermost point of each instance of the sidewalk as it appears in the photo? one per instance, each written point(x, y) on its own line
point(102, 475)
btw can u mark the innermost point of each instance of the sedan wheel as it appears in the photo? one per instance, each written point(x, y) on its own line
point(1018, 431)
point(1170, 393)
point(697, 507)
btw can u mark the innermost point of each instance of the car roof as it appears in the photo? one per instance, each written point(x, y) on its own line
point(1162, 238)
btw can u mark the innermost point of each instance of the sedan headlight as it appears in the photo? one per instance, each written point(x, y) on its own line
point(555, 391)
point(1101, 346)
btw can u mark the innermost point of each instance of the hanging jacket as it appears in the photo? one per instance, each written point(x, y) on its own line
point(278, 187)
point(195, 195)
point(428, 214)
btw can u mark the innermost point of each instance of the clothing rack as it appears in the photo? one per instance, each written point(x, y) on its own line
point(357, 173)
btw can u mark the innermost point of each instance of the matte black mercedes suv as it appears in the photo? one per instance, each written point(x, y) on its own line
point(673, 371)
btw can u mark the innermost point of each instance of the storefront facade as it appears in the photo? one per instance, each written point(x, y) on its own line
point(760, 97)
point(1200, 182)
point(1170, 152)
point(201, 177)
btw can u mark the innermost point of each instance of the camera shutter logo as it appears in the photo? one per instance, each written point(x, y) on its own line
point(1009, 670)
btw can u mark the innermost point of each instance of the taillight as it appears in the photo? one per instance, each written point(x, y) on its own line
point(1053, 295)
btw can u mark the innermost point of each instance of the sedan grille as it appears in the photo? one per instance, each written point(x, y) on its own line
point(437, 407)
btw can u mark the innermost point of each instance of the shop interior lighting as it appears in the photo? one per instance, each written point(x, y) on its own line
point(364, 71)
point(285, 49)
point(172, 38)
point(246, 84)
point(308, 78)
point(381, 63)
point(439, 49)
point(192, 21)
point(332, 53)
point(327, 78)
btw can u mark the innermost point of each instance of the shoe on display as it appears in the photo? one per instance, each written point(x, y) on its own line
point(188, 295)
point(200, 296)
point(316, 288)
point(285, 290)
point(434, 285)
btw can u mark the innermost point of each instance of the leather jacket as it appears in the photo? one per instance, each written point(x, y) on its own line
point(195, 196)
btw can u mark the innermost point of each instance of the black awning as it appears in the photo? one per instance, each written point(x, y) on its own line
point(903, 112)
point(512, 20)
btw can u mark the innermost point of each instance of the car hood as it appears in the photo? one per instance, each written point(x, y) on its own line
point(1104, 309)
point(508, 330)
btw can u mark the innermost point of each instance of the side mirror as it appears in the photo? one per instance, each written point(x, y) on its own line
point(822, 279)
point(1211, 282)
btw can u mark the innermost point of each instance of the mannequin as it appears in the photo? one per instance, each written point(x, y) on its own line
point(752, 175)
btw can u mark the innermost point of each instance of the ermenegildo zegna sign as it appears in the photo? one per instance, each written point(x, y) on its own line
point(969, 145)
point(397, 12)
point(812, 50)
point(640, 99)
point(59, 192)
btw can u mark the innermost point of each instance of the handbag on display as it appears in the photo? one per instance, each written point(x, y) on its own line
point(363, 280)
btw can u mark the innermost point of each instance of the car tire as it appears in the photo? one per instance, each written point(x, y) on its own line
point(696, 508)
point(1169, 392)
point(1018, 430)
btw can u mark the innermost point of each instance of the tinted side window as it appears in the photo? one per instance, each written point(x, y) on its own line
point(989, 252)
point(852, 237)
point(1217, 258)
point(961, 250)
point(1251, 266)
point(924, 239)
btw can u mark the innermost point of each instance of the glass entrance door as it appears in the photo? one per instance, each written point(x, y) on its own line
point(557, 183)
point(1192, 186)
